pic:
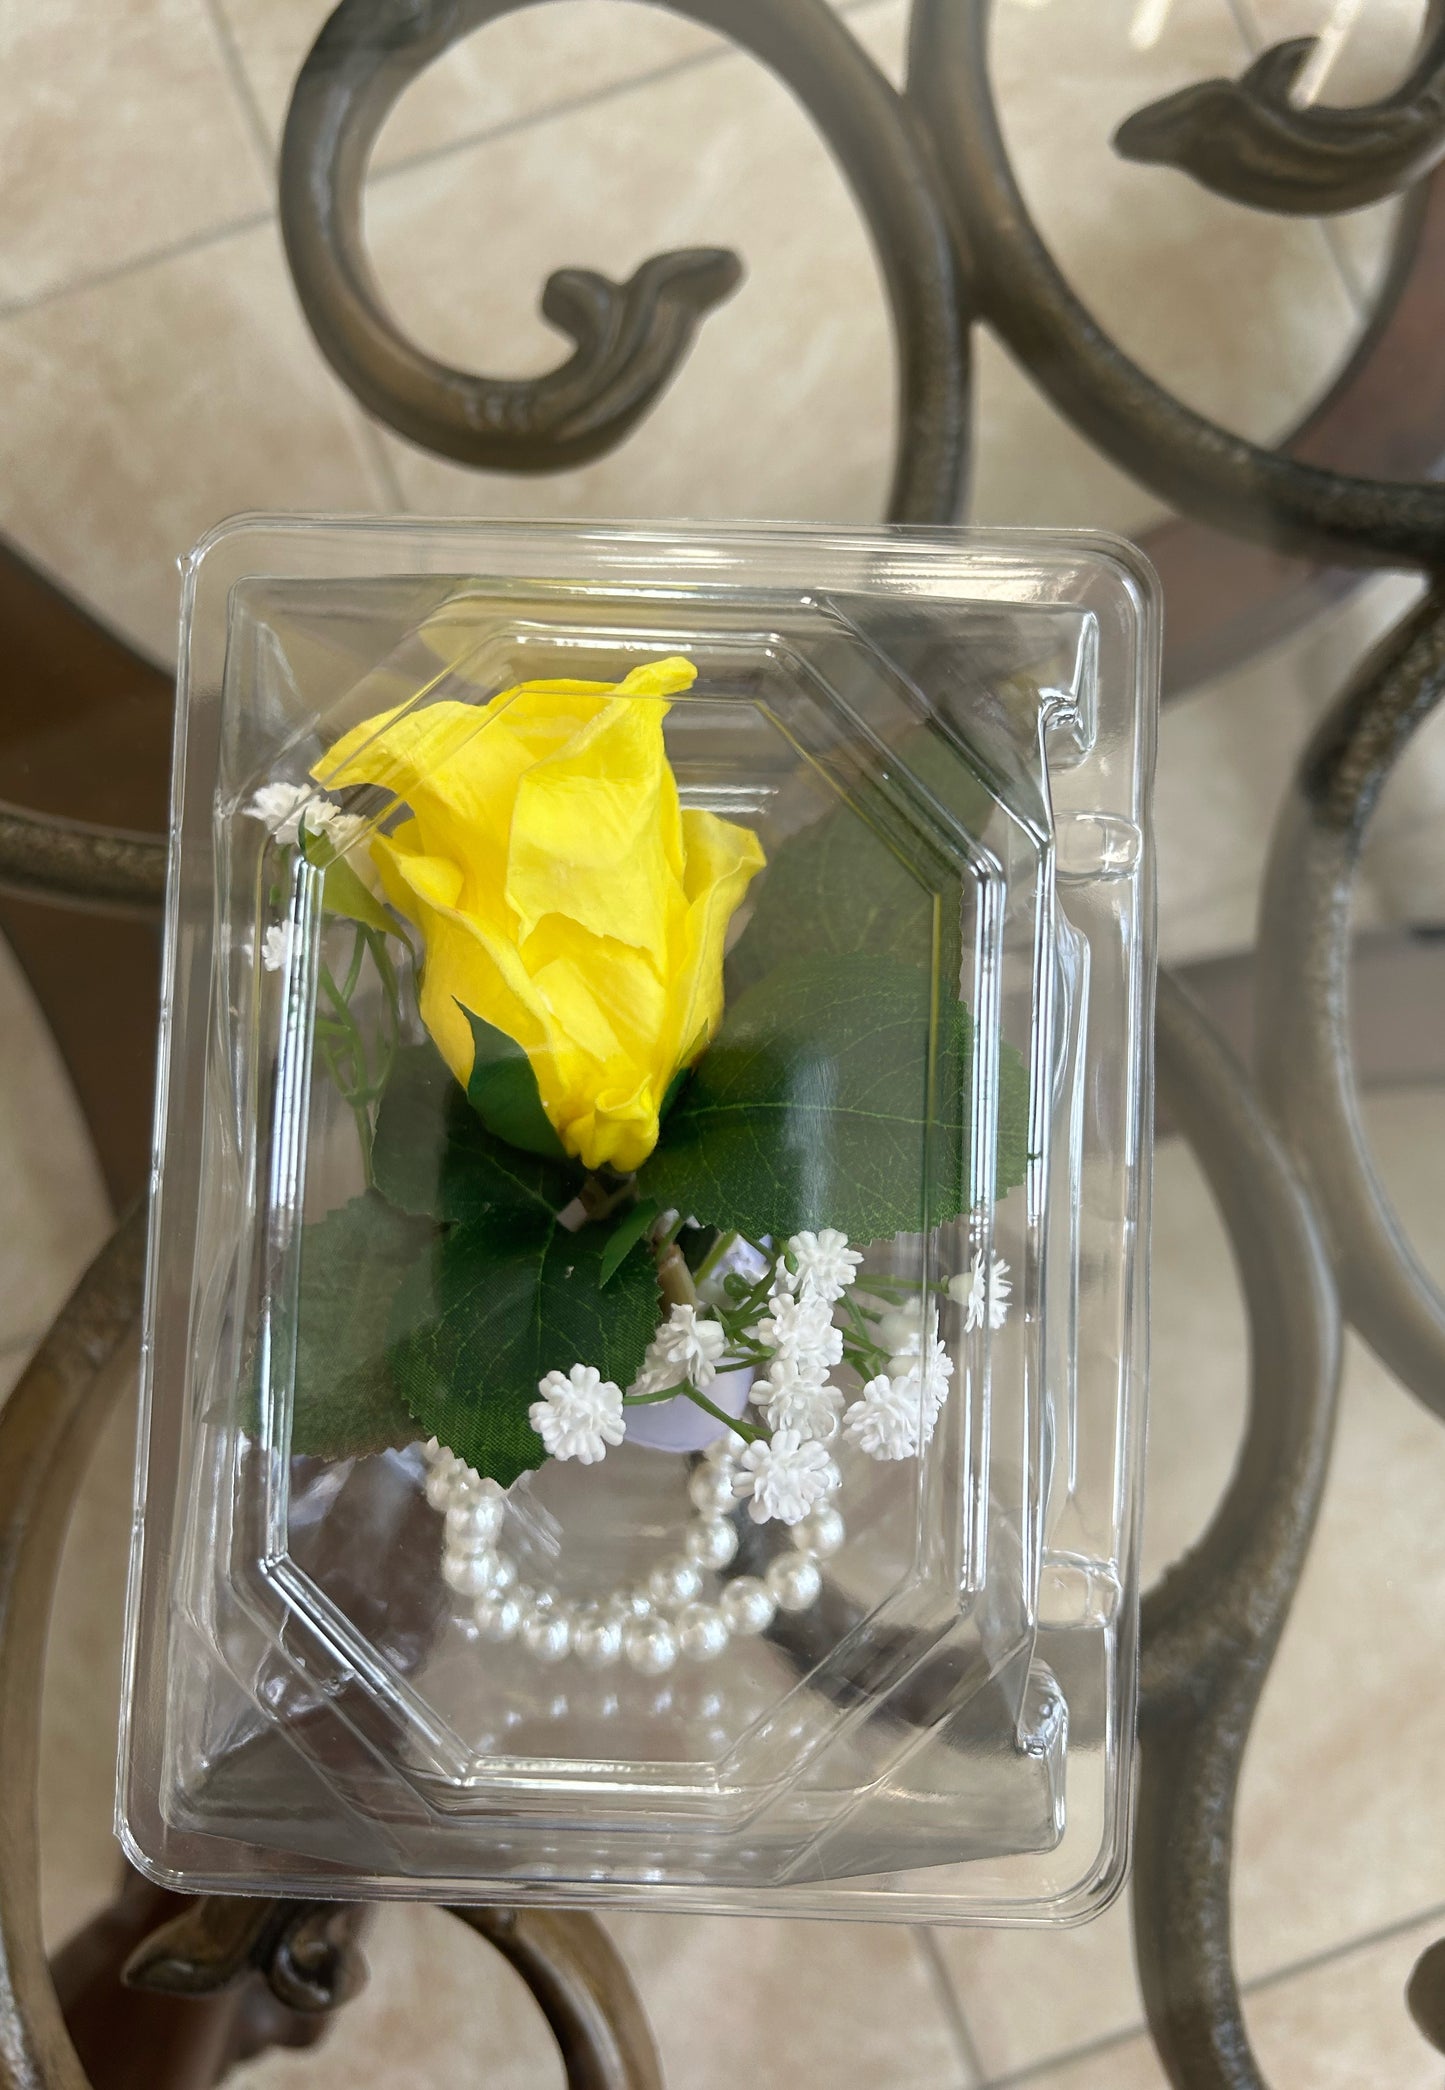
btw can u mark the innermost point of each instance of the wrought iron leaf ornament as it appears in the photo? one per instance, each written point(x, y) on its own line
point(1250, 140)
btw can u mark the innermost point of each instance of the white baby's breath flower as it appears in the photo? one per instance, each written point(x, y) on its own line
point(276, 947)
point(579, 1414)
point(280, 807)
point(812, 1411)
point(785, 1372)
point(327, 820)
point(933, 1374)
point(982, 1296)
point(786, 1476)
point(287, 808)
point(822, 1264)
point(800, 1331)
point(781, 1324)
point(798, 1398)
point(653, 1378)
point(687, 1346)
point(885, 1422)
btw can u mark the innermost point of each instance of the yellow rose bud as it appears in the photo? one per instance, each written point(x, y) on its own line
point(561, 891)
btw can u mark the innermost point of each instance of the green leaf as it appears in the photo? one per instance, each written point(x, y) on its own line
point(433, 1155)
point(812, 1108)
point(342, 892)
point(491, 1307)
point(346, 1402)
point(626, 1235)
point(842, 885)
point(503, 1092)
point(671, 1093)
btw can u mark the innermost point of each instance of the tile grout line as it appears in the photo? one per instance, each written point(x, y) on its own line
point(1107, 2043)
point(1260, 1984)
point(379, 465)
point(154, 257)
point(234, 67)
point(252, 221)
point(572, 105)
point(950, 2003)
point(1329, 1954)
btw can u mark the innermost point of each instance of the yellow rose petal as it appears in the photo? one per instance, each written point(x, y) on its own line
point(722, 860)
point(561, 892)
point(590, 831)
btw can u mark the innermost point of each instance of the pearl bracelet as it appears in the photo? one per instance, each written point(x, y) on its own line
point(647, 1626)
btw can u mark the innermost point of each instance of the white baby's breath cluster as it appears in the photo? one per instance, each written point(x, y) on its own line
point(785, 1476)
point(795, 1390)
point(983, 1291)
point(687, 1348)
point(579, 1414)
point(276, 946)
point(787, 1336)
point(818, 1266)
point(286, 808)
point(899, 1410)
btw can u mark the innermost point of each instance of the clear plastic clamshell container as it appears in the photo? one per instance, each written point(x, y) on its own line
point(645, 1355)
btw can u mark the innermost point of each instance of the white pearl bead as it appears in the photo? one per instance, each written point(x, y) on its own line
point(498, 1616)
point(597, 1641)
point(794, 1580)
point(650, 1646)
point(711, 1541)
point(547, 1634)
point(711, 1490)
point(702, 1632)
point(465, 1486)
point(674, 1582)
point(821, 1533)
point(747, 1604)
point(630, 1603)
point(470, 1574)
point(723, 1450)
point(472, 1525)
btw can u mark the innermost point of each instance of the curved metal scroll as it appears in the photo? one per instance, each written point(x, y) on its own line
point(44, 1426)
point(1186, 459)
point(630, 339)
point(581, 1982)
point(1305, 1051)
point(1248, 139)
point(306, 1950)
point(78, 865)
point(1211, 1626)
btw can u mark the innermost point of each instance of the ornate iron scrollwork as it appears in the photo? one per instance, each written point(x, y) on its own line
point(630, 341)
point(1248, 139)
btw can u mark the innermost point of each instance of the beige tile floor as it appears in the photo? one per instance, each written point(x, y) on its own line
point(155, 374)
